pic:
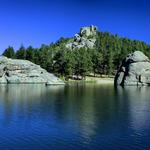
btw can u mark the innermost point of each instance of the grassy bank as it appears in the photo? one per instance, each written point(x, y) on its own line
point(99, 80)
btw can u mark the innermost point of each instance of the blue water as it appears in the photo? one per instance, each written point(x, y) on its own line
point(74, 117)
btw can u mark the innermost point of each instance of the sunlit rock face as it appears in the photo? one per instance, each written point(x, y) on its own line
point(23, 71)
point(135, 70)
point(85, 39)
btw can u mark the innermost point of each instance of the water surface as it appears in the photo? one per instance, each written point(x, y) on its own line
point(74, 117)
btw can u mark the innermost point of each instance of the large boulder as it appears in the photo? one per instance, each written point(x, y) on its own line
point(85, 39)
point(135, 70)
point(23, 71)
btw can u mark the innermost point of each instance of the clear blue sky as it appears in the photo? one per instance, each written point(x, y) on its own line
point(33, 22)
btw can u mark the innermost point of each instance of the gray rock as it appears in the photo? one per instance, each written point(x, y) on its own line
point(23, 71)
point(3, 80)
point(137, 56)
point(135, 70)
point(77, 38)
point(86, 38)
point(88, 31)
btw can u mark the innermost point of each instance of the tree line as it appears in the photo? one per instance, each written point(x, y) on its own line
point(104, 58)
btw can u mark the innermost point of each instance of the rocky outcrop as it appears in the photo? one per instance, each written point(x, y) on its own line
point(135, 70)
point(86, 38)
point(23, 71)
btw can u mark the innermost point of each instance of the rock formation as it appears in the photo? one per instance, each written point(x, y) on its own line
point(86, 38)
point(23, 71)
point(135, 70)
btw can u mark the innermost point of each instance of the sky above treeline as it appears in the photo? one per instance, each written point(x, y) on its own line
point(36, 22)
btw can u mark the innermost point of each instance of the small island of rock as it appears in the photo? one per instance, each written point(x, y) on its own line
point(135, 70)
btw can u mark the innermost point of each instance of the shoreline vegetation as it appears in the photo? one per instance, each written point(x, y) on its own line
point(94, 80)
point(89, 52)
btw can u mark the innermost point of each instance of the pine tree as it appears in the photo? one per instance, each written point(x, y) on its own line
point(21, 53)
point(9, 52)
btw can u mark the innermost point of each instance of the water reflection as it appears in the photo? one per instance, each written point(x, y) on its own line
point(81, 115)
point(139, 105)
point(23, 100)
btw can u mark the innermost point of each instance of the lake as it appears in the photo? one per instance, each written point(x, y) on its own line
point(74, 117)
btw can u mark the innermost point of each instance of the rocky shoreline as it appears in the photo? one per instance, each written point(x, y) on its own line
point(16, 71)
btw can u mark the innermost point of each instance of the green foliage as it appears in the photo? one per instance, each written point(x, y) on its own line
point(59, 63)
point(96, 58)
point(104, 58)
point(9, 52)
point(30, 54)
point(21, 53)
point(83, 62)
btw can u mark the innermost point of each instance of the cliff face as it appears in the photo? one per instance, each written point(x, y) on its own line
point(85, 38)
point(23, 71)
point(135, 70)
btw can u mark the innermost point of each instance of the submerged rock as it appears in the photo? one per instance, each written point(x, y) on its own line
point(135, 70)
point(23, 71)
point(85, 39)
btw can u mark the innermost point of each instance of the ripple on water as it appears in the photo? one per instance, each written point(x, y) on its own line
point(76, 117)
